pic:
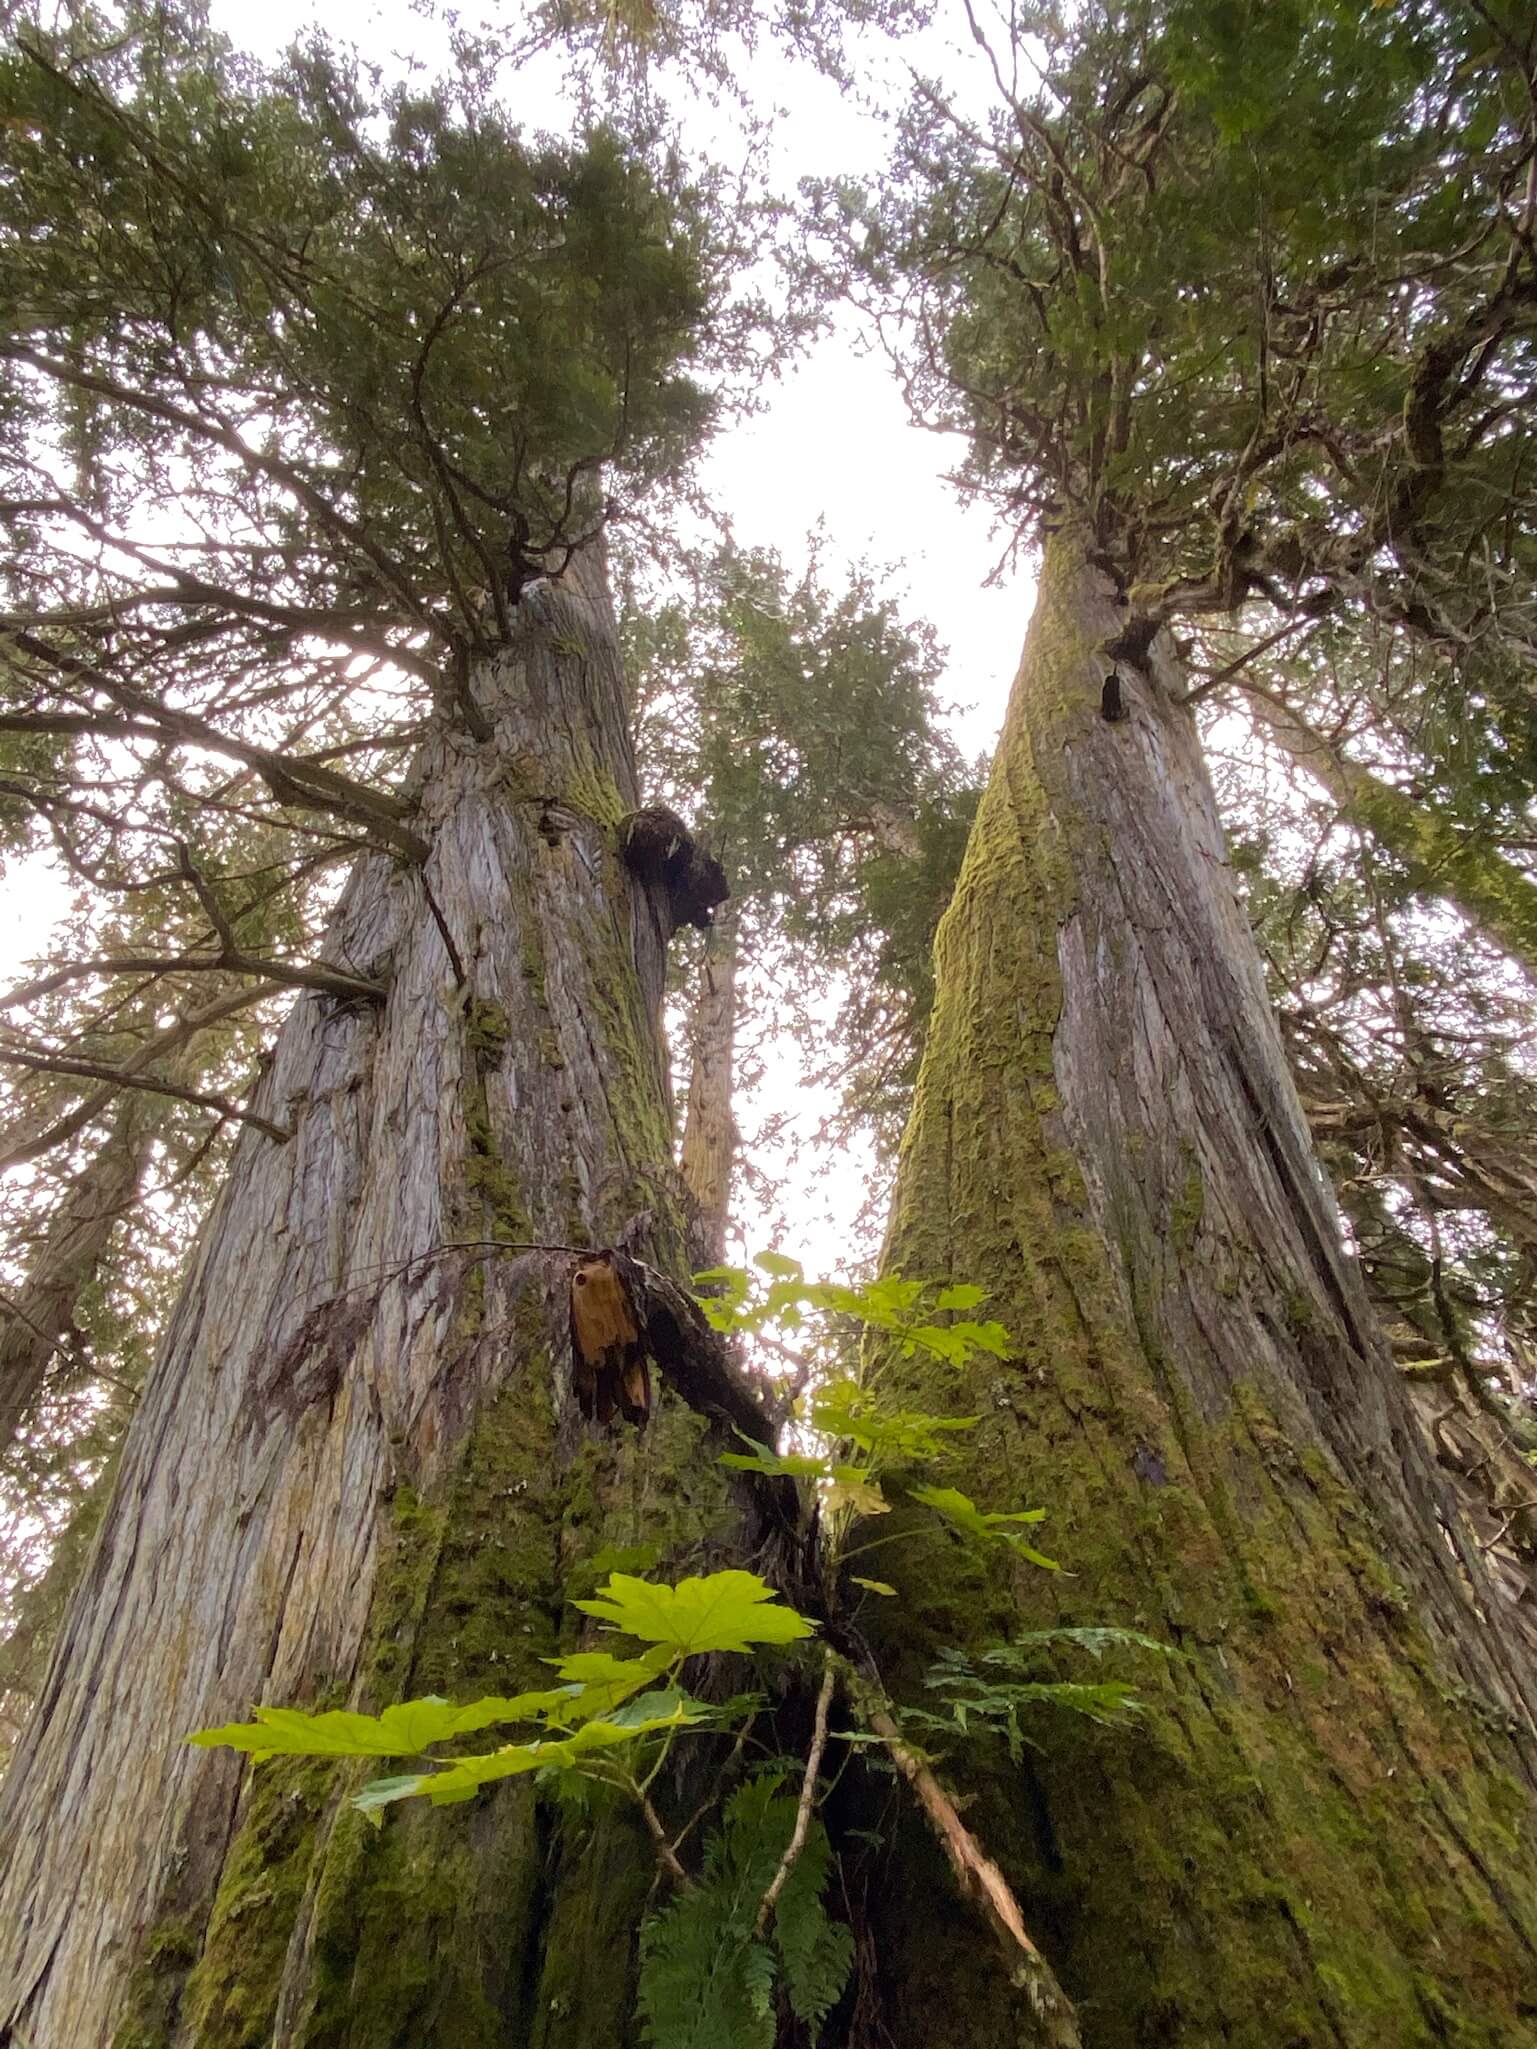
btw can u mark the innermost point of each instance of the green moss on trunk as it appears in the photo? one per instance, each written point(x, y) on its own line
point(1318, 1833)
point(232, 1993)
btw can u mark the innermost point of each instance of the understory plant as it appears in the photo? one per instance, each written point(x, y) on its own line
point(742, 1932)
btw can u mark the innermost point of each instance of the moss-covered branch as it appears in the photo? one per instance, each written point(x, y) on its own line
point(1440, 856)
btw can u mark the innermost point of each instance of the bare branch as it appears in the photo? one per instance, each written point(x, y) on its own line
point(127, 1078)
point(1054, 2023)
point(807, 1801)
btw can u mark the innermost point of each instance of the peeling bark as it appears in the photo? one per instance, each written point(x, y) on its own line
point(1321, 1832)
point(356, 1471)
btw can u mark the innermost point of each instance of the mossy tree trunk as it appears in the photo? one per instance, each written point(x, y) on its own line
point(356, 1473)
point(708, 1155)
point(1322, 1832)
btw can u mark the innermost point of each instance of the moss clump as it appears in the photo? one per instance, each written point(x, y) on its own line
point(549, 1050)
point(231, 1994)
point(156, 1985)
point(591, 790)
point(487, 1182)
point(403, 1581)
point(532, 960)
point(487, 1032)
point(1189, 1208)
point(423, 1929)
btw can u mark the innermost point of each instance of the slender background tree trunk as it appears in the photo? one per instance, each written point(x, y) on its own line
point(708, 1156)
point(356, 1472)
point(37, 1322)
point(1321, 1833)
point(1441, 857)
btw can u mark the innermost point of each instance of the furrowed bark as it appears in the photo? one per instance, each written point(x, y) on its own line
point(356, 1473)
point(708, 1155)
point(1321, 1831)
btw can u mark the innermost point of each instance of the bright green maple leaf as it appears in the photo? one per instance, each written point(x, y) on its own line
point(403, 1730)
point(603, 1682)
point(722, 1611)
point(464, 1777)
point(963, 1513)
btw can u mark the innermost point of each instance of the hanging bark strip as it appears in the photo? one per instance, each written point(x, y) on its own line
point(608, 1357)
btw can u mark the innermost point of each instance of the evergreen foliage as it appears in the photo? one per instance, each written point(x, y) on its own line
point(1249, 290)
point(801, 724)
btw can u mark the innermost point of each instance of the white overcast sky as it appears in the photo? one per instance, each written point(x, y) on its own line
point(832, 447)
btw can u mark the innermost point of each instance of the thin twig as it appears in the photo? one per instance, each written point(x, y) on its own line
point(461, 979)
point(9, 1306)
point(722, 1778)
point(666, 1855)
point(802, 1827)
point(168, 1041)
point(122, 1077)
point(1231, 669)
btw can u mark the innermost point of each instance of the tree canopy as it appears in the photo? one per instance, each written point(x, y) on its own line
point(326, 400)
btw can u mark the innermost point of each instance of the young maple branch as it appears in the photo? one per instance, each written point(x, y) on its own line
point(666, 1855)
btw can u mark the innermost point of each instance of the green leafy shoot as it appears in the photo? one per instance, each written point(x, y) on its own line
point(863, 1436)
point(740, 1302)
point(407, 1729)
point(462, 1777)
point(994, 1690)
point(848, 1410)
point(999, 1707)
point(797, 1465)
point(602, 1704)
point(962, 1513)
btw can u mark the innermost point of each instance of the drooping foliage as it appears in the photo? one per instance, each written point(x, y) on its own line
point(343, 371)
